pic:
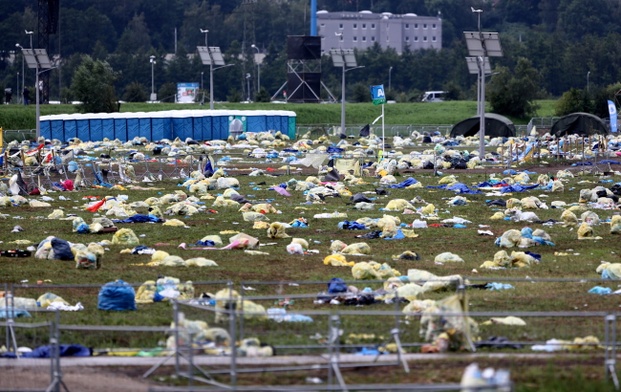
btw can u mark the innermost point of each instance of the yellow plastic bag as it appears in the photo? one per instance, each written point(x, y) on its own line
point(337, 260)
point(125, 237)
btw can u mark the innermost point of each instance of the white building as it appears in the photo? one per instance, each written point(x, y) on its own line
point(361, 30)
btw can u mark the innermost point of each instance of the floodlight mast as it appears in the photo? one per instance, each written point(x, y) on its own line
point(481, 89)
point(344, 58)
point(482, 45)
point(37, 59)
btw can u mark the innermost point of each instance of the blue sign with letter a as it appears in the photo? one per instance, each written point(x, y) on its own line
point(377, 94)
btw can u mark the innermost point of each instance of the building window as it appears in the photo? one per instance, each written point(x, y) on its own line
point(407, 25)
point(323, 25)
point(424, 39)
point(373, 26)
point(415, 25)
point(433, 38)
point(424, 25)
point(407, 39)
point(355, 25)
point(364, 25)
point(340, 26)
point(372, 39)
point(415, 39)
point(355, 39)
point(433, 26)
point(341, 37)
point(364, 39)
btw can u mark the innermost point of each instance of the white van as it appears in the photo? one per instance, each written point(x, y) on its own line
point(433, 96)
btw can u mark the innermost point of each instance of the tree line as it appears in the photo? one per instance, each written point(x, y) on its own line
point(550, 48)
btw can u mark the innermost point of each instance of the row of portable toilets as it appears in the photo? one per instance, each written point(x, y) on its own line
point(193, 124)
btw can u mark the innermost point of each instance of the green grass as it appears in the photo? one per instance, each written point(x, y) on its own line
point(23, 117)
point(278, 266)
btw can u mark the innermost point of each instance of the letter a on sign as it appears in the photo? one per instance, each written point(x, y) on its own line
point(377, 94)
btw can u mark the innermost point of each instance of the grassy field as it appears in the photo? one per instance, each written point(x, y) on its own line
point(23, 117)
point(559, 283)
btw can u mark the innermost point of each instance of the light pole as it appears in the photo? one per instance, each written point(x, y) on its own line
point(258, 68)
point(153, 95)
point(206, 32)
point(248, 87)
point(588, 74)
point(481, 92)
point(21, 92)
point(202, 91)
point(30, 33)
point(389, 77)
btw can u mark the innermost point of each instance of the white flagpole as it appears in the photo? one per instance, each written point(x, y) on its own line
point(383, 152)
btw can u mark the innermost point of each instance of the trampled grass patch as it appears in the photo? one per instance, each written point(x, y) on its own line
point(559, 282)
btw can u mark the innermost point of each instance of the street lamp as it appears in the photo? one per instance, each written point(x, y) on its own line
point(389, 77)
point(258, 68)
point(21, 92)
point(248, 87)
point(30, 33)
point(153, 62)
point(206, 32)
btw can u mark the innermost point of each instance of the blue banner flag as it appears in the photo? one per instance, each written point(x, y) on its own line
point(612, 110)
point(377, 94)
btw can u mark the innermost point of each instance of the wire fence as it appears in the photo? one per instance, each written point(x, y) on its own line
point(230, 339)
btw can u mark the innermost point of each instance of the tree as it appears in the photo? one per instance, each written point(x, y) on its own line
point(513, 93)
point(572, 101)
point(167, 92)
point(93, 85)
point(135, 92)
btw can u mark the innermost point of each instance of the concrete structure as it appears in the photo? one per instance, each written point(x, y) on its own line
point(361, 30)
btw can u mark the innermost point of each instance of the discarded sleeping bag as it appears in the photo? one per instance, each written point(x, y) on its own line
point(117, 295)
point(62, 249)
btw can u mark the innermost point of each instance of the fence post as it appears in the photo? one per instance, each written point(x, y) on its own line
point(233, 334)
point(56, 377)
point(334, 335)
point(610, 328)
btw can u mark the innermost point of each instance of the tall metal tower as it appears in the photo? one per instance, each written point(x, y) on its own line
point(48, 15)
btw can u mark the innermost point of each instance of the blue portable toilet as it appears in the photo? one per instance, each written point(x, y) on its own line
point(133, 126)
point(161, 126)
point(120, 127)
point(96, 129)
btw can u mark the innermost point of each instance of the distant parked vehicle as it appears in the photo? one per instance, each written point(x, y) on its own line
point(433, 96)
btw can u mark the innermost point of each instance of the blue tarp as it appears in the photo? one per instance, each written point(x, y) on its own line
point(461, 188)
point(405, 183)
point(517, 188)
point(140, 218)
